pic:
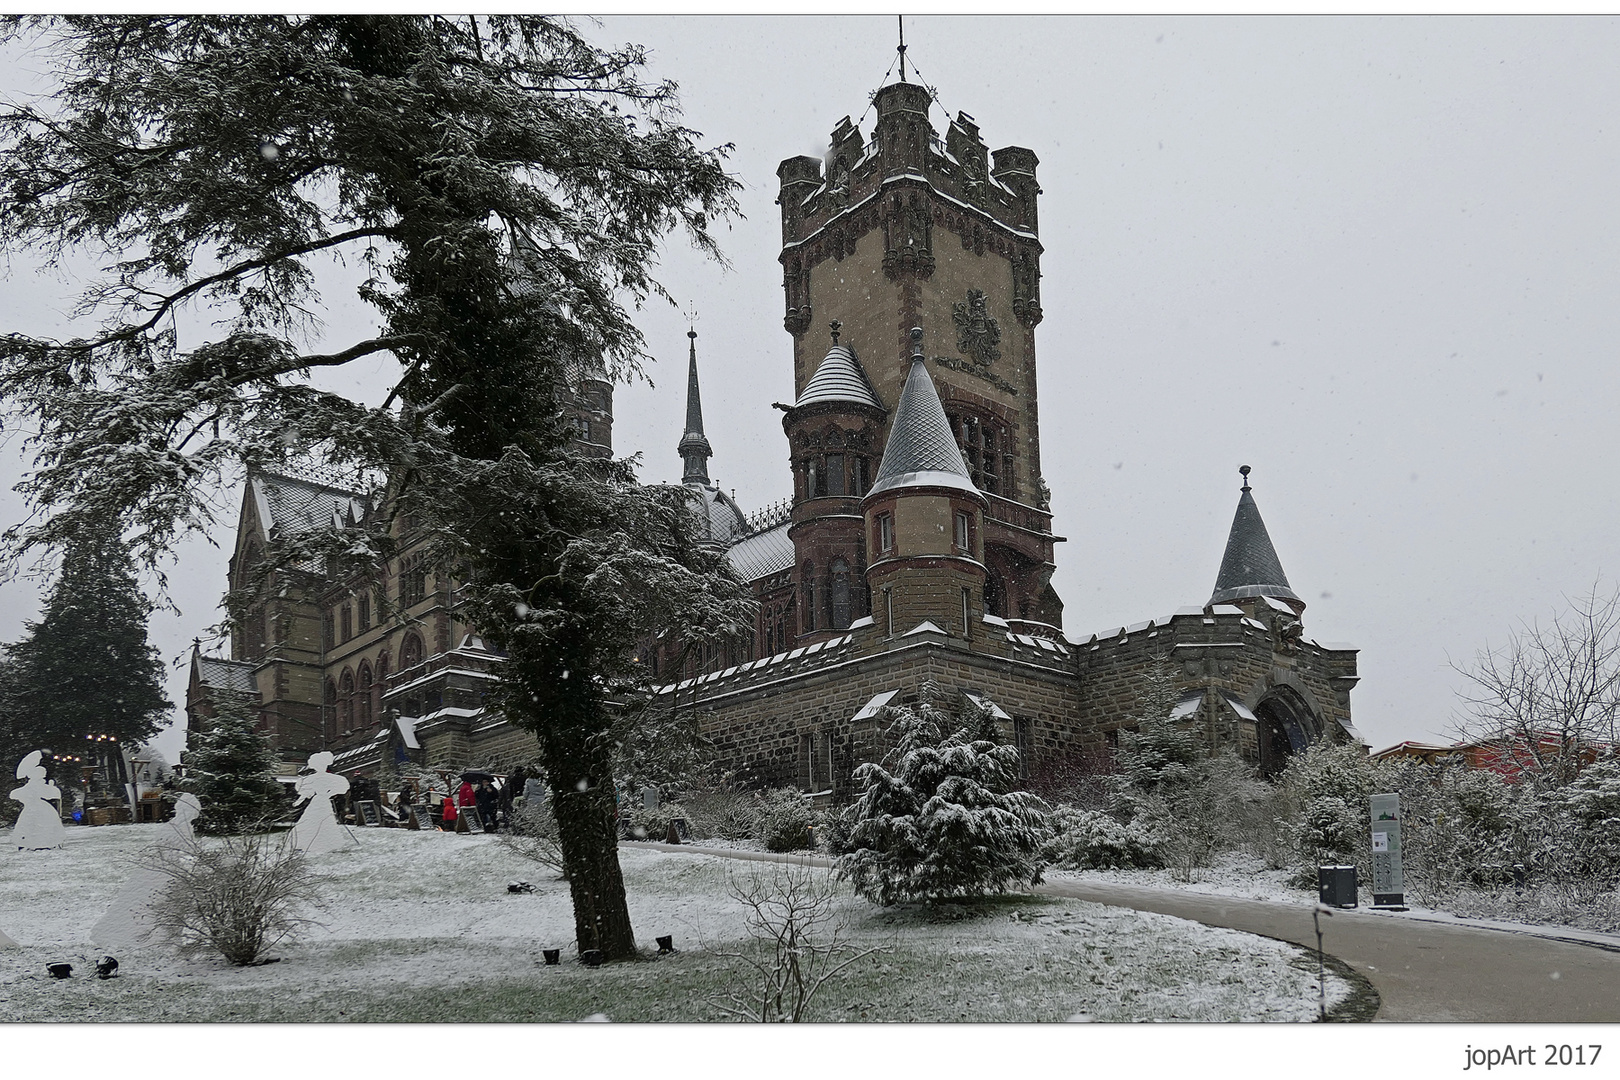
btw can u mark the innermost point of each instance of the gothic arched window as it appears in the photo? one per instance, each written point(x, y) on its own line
point(345, 702)
point(809, 597)
point(840, 594)
point(362, 700)
point(986, 450)
point(329, 709)
point(410, 651)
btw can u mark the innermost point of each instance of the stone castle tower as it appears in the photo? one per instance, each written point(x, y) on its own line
point(900, 233)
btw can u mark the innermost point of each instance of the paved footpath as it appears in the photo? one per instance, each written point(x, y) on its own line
point(1423, 971)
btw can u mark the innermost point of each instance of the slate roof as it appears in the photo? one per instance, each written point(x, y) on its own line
point(290, 505)
point(839, 378)
point(921, 451)
point(717, 518)
point(1250, 566)
point(233, 675)
point(763, 554)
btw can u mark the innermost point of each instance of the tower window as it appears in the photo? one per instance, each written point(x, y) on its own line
point(346, 620)
point(363, 612)
point(857, 476)
point(835, 474)
point(987, 452)
point(840, 594)
point(885, 529)
point(962, 537)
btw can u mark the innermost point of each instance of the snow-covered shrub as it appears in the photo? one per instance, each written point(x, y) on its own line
point(238, 897)
point(785, 821)
point(639, 823)
point(1591, 806)
point(1092, 840)
point(721, 812)
point(947, 821)
point(1203, 809)
point(1155, 750)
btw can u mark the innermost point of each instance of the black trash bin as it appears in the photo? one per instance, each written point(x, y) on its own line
point(1336, 885)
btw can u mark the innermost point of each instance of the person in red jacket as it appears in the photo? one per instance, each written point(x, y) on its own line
point(467, 796)
point(449, 816)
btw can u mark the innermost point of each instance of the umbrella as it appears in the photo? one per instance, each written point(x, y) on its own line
point(476, 775)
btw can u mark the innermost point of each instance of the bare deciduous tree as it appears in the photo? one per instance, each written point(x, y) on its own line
point(1551, 694)
point(798, 944)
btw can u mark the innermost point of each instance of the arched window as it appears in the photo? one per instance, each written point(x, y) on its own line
point(809, 578)
point(840, 594)
point(362, 699)
point(410, 651)
point(345, 702)
point(329, 709)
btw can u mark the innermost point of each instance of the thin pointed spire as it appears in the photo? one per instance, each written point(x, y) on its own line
point(1250, 566)
point(694, 446)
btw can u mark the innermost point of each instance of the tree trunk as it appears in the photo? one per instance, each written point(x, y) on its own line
point(580, 771)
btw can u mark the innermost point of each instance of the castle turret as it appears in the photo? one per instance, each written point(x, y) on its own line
point(924, 519)
point(1250, 568)
point(835, 434)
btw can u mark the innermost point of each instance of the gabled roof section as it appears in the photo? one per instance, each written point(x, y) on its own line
point(839, 378)
point(921, 451)
point(292, 505)
point(235, 676)
point(1250, 566)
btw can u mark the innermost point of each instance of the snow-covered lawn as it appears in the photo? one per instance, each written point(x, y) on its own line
point(1232, 874)
point(419, 926)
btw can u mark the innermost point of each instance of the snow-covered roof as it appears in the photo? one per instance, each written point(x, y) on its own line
point(870, 709)
point(762, 554)
point(290, 505)
point(1250, 566)
point(1238, 707)
point(840, 377)
point(716, 517)
point(921, 451)
point(925, 627)
point(234, 675)
point(980, 701)
point(1187, 705)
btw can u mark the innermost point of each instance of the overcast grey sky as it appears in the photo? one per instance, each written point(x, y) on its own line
point(1374, 258)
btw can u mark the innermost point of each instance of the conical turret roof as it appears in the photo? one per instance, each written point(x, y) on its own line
point(1250, 566)
point(839, 378)
point(921, 451)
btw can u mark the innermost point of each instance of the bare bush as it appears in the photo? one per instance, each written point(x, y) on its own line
point(798, 945)
point(239, 896)
point(533, 835)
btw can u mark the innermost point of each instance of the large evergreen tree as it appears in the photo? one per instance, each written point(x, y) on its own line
point(504, 183)
point(85, 670)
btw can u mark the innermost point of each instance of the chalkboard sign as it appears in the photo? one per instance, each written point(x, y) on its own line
point(367, 812)
point(468, 820)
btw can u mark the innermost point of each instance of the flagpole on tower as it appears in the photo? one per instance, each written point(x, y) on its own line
point(902, 20)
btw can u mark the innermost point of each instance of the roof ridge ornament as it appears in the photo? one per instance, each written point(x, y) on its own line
point(1244, 470)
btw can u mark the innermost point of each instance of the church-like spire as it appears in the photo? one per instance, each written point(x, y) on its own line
point(694, 447)
point(1250, 566)
point(921, 451)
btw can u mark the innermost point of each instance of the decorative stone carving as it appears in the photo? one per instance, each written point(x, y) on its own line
point(977, 335)
point(1026, 273)
point(908, 233)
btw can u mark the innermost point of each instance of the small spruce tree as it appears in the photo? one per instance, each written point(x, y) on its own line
point(947, 820)
point(229, 770)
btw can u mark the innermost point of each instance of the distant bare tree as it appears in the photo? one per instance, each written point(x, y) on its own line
point(797, 948)
point(1552, 693)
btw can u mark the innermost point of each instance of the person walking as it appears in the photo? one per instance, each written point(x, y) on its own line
point(448, 815)
point(485, 797)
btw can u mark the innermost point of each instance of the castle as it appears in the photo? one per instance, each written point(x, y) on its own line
point(914, 556)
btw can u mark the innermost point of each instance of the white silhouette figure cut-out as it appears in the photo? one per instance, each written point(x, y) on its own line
point(40, 824)
point(318, 830)
point(128, 922)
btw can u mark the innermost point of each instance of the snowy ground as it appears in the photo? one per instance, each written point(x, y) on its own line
point(419, 926)
point(1233, 874)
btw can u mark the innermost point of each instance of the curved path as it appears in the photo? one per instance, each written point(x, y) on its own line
point(1423, 971)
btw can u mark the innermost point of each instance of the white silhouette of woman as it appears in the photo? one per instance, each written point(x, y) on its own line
point(128, 921)
point(40, 824)
point(318, 830)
